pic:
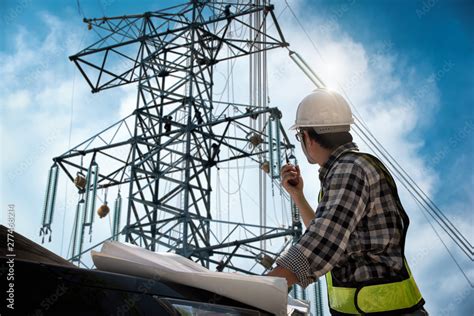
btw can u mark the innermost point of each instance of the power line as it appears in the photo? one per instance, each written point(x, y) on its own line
point(79, 9)
point(423, 207)
point(408, 182)
point(414, 192)
point(71, 119)
point(444, 244)
point(459, 239)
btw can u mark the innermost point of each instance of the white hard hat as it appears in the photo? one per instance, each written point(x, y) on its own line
point(325, 110)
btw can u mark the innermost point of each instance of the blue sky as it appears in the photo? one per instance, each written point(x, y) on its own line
point(429, 37)
point(419, 86)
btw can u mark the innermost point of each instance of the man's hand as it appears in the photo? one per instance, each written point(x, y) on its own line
point(291, 180)
point(284, 273)
point(293, 183)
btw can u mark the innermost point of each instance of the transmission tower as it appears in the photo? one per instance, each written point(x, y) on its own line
point(160, 157)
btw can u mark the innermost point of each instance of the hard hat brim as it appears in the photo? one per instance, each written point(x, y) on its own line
point(323, 126)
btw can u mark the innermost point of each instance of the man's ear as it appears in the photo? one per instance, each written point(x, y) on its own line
point(309, 140)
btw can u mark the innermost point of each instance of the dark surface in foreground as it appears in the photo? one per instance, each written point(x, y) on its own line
point(43, 285)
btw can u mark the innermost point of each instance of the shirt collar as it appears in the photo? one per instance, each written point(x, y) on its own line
point(324, 170)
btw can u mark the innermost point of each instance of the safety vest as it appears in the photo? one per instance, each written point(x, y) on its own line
point(386, 296)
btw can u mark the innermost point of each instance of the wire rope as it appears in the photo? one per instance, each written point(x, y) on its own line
point(454, 234)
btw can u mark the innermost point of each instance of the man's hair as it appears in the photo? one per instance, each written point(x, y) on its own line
point(329, 140)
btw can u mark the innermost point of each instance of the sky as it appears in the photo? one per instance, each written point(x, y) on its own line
point(405, 65)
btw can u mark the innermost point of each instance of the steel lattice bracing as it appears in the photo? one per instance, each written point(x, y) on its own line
point(166, 149)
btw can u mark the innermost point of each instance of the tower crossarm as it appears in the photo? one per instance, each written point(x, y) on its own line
point(128, 42)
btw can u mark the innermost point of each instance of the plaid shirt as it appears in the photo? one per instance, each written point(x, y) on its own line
point(357, 230)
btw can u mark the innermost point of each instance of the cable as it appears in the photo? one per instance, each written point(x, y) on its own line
point(68, 146)
point(442, 217)
point(101, 8)
point(219, 206)
point(79, 9)
point(240, 181)
point(406, 177)
point(445, 246)
point(408, 182)
point(71, 117)
point(304, 30)
point(423, 207)
point(413, 190)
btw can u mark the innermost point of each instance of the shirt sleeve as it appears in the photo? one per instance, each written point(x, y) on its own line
point(346, 194)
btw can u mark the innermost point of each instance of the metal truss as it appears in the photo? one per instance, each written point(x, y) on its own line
point(165, 150)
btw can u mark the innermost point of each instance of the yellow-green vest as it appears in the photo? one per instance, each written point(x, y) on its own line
point(389, 296)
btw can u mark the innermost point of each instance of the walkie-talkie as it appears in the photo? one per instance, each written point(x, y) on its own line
point(292, 182)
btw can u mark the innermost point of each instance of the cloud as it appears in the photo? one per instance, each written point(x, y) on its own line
point(19, 99)
point(41, 92)
point(128, 103)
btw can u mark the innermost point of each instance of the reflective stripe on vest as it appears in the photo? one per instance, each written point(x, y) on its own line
point(384, 296)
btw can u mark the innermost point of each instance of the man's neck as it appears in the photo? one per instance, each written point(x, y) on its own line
point(325, 154)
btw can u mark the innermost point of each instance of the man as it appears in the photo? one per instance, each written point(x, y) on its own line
point(356, 237)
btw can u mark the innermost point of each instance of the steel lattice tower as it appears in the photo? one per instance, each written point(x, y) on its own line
point(164, 152)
